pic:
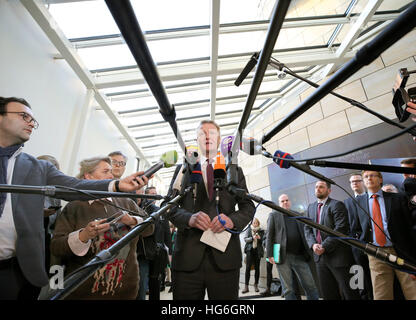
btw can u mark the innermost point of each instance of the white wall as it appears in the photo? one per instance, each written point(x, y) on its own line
point(57, 96)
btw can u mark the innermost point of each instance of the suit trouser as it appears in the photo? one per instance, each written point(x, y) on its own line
point(220, 285)
point(334, 281)
point(362, 260)
point(13, 284)
point(382, 276)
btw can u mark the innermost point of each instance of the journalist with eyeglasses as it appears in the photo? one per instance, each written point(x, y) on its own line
point(22, 262)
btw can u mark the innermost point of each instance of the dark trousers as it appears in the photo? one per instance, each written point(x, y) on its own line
point(253, 259)
point(334, 282)
point(220, 285)
point(269, 274)
point(362, 260)
point(13, 284)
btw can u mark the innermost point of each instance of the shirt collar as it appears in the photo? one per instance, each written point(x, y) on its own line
point(323, 201)
point(204, 160)
point(18, 151)
point(379, 193)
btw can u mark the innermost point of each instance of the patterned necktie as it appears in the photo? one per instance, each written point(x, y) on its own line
point(318, 217)
point(210, 180)
point(380, 237)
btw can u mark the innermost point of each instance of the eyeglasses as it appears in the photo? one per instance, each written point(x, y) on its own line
point(371, 176)
point(26, 117)
point(118, 163)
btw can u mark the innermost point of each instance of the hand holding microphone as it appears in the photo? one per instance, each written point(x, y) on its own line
point(139, 179)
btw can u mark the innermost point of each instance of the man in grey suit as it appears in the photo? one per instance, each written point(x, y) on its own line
point(333, 258)
point(22, 238)
point(294, 252)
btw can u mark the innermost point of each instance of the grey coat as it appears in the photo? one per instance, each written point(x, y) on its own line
point(28, 211)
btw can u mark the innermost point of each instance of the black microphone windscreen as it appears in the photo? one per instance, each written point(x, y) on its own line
point(196, 176)
point(247, 69)
point(219, 174)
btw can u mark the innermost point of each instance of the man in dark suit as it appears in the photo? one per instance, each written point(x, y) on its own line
point(390, 228)
point(196, 266)
point(361, 259)
point(22, 238)
point(294, 252)
point(332, 257)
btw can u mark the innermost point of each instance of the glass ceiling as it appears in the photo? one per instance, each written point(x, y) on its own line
point(179, 36)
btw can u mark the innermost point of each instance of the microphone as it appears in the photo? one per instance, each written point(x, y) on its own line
point(226, 144)
point(287, 164)
point(168, 159)
point(251, 146)
point(247, 69)
point(219, 172)
point(248, 145)
point(193, 154)
point(196, 178)
point(219, 178)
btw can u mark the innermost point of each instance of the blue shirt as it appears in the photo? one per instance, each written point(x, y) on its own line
point(380, 200)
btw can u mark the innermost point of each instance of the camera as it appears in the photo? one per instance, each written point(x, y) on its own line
point(400, 96)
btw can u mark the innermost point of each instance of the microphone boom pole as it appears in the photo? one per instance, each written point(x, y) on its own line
point(368, 248)
point(367, 54)
point(74, 280)
point(274, 28)
point(61, 192)
point(276, 23)
point(126, 20)
point(281, 67)
point(360, 166)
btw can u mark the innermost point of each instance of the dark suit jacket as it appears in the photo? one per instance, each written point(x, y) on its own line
point(189, 250)
point(352, 209)
point(276, 233)
point(334, 215)
point(28, 212)
point(398, 224)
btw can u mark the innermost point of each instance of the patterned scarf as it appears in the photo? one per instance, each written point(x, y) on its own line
point(254, 232)
point(5, 154)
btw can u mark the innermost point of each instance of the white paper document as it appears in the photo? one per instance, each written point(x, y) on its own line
point(216, 240)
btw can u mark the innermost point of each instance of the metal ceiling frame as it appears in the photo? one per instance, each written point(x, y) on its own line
point(313, 61)
point(46, 22)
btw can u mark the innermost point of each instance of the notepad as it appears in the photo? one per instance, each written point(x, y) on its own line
point(218, 241)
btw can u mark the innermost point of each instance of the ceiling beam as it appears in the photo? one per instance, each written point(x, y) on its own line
point(227, 28)
point(46, 22)
point(353, 33)
point(214, 37)
point(203, 70)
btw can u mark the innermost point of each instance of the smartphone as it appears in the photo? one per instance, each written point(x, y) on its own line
point(55, 207)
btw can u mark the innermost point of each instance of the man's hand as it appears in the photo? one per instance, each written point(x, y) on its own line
point(216, 225)
point(318, 249)
point(200, 220)
point(133, 182)
point(271, 260)
point(48, 212)
point(411, 107)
